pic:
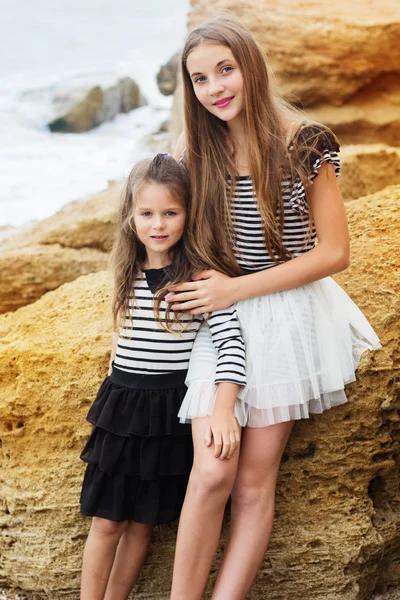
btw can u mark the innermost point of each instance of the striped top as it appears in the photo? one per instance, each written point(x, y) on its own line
point(145, 347)
point(249, 249)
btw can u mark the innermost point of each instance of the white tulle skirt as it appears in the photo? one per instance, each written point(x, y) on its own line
point(302, 347)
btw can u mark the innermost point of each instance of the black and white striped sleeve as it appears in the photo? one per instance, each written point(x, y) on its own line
point(227, 338)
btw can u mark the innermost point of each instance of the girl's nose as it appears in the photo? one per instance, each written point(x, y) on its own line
point(158, 223)
point(215, 87)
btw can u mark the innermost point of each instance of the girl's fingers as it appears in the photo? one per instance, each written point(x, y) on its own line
point(192, 304)
point(184, 287)
point(226, 448)
point(202, 275)
point(208, 436)
point(182, 296)
point(217, 446)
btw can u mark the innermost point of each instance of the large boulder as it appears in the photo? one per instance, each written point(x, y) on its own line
point(88, 223)
point(30, 272)
point(167, 75)
point(337, 530)
point(366, 169)
point(340, 61)
point(83, 109)
point(320, 52)
point(73, 242)
point(371, 116)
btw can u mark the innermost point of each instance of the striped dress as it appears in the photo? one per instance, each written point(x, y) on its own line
point(250, 250)
point(302, 344)
point(144, 347)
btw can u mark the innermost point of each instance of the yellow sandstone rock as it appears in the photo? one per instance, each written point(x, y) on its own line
point(366, 169)
point(320, 52)
point(59, 249)
point(28, 273)
point(337, 526)
point(340, 60)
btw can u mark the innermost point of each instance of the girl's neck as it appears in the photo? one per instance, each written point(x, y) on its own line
point(239, 142)
point(237, 133)
point(156, 260)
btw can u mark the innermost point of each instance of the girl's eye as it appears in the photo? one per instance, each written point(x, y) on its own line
point(227, 69)
point(200, 79)
point(170, 213)
point(147, 213)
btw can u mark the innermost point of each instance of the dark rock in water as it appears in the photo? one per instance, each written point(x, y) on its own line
point(82, 110)
point(164, 127)
point(167, 75)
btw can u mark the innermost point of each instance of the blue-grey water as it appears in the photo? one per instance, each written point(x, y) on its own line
point(51, 45)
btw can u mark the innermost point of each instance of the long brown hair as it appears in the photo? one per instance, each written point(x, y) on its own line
point(128, 253)
point(209, 152)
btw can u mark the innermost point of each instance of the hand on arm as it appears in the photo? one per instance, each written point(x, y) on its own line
point(213, 290)
point(223, 426)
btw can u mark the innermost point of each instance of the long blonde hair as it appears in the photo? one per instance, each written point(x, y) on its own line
point(209, 153)
point(128, 253)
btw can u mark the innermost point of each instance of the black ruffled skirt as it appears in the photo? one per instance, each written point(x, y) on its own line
point(138, 455)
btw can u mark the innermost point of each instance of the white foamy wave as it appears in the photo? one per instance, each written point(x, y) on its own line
point(57, 168)
point(58, 46)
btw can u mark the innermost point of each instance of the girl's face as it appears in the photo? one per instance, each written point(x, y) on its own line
point(217, 80)
point(159, 221)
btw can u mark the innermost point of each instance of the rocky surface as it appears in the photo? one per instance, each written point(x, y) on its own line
point(345, 47)
point(73, 242)
point(347, 74)
point(167, 75)
point(371, 116)
point(366, 169)
point(338, 521)
point(83, 109)
point(30, 272)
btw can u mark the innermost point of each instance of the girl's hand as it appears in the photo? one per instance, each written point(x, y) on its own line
point(224, 428)
point(209, 291)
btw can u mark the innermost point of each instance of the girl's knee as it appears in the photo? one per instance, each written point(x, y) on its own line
point(139, 530)
point(260, 495)
point(214, 478)
point(108, 527)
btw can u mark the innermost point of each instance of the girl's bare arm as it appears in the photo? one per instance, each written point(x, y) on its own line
point(213, 290)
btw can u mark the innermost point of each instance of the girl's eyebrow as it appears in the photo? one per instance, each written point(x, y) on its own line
point(217, 65)
point(173, 207)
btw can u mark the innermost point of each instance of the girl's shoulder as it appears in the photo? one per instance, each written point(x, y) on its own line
point(180, 147)
point(312, 136)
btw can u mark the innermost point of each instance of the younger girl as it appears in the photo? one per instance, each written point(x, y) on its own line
point(139, 456)
point(263, 188)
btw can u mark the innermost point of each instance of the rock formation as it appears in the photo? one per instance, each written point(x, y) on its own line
point(339, 61)
point(320, 52)
point(337, 528)
point(30, 272)
point(366, 169)
point(73, 242)
point(167, 75)
point(83, 109)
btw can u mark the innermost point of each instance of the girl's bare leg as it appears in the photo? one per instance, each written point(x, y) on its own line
point(252, 512)
point(98, 556)
point(210, 485)
point(130, 556)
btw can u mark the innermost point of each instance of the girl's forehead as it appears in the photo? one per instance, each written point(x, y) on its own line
point(207, 55)
point(157, 194)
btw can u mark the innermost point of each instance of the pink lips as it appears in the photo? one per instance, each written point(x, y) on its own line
point(224, 102)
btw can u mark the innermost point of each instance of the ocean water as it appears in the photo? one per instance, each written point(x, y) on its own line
point(51, 45)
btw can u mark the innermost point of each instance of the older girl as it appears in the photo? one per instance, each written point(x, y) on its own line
point(263, 190)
